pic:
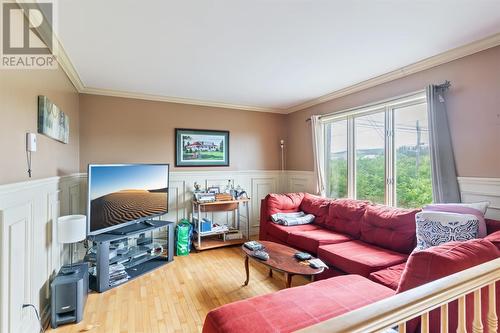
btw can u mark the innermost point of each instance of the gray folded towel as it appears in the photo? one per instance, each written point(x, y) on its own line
point(290, 219)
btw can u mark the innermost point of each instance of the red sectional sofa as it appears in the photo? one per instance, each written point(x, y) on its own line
point(352, 236)
point(368, 248)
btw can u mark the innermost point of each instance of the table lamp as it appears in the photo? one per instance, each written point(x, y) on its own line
point(71, 229)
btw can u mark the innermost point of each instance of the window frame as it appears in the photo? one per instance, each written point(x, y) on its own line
point(389, 108)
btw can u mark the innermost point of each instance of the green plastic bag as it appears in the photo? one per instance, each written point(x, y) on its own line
point(183, 234)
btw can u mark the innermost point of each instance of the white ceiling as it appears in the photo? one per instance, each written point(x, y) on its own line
point(264, 53)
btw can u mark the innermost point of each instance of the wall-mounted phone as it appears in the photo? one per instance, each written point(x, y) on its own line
point(30, 142)
point(30, 148)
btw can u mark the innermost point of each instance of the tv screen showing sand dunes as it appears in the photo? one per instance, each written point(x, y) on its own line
point(125, 193)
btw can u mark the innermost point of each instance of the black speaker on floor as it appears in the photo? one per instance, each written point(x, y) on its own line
point(69, 294)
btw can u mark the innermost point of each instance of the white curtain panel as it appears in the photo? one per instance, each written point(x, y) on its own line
point(445, 187)
point(317, 130)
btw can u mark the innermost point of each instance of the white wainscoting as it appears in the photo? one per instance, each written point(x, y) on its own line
point(30, 253)
point(474, 189)
point(300, 181)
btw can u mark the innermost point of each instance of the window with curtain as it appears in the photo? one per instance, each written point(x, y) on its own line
point(380, 153)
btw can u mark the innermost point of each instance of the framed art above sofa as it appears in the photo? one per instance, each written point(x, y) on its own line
point(195, 147)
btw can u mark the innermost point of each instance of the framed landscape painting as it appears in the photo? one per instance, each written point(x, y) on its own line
point(195, 147)
point(52, 122)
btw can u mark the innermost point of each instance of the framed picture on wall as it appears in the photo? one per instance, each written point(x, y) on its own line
point(52, 122)
point(194, 147)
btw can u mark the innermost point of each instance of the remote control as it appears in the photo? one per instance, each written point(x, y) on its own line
point(302, 256)
point(254, 245)
point(317, 263)
point(261, 255)
point(314, 265)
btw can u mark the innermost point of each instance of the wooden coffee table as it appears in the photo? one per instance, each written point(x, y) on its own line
point(281, 259)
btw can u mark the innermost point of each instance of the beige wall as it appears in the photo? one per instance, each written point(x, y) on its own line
point(473, 104)
point(19, 90)
point(123, 130)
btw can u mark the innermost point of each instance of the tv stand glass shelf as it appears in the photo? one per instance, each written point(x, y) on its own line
point(117, 258)
point(214, 239)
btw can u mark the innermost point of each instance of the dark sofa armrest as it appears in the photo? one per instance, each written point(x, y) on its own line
point(263, 220)
point(492, 226)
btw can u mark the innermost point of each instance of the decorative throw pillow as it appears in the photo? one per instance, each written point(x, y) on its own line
point(435, 228)
point(461, 209)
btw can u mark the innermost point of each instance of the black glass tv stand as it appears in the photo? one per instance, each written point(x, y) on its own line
point(132, 228)
point(116, 259)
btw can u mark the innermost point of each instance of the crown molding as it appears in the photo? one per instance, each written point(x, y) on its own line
point(57, 48)
point(442, 58)
point(69, 69)
point(178, 100)
point(67, 66)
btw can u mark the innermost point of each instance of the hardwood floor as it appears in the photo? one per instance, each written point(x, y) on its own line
point(177, 297)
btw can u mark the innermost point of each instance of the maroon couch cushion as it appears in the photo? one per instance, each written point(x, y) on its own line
point(311, 239)
point(282, 232)
point(328, 273)
point(357, 257)
point(274, 239)
point(283, 203)
point(318, 206)
point(389, 276)
point(291, 309)
point(344, 216)
point(443, 260)
point(389, 227)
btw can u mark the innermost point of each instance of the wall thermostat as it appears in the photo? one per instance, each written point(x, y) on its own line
point(31, 142)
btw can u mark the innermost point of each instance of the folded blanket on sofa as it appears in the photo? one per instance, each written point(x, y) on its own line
point(292, 218)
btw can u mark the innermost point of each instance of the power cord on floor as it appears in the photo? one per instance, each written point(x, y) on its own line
point(42, 329)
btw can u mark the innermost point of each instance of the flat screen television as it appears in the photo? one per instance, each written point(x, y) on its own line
point(124, 194)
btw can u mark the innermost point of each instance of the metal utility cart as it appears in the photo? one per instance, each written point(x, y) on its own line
point(214, 239)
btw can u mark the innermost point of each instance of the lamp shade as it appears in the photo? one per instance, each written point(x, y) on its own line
point(71, 228)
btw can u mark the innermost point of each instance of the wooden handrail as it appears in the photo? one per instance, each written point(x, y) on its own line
point(403, 307)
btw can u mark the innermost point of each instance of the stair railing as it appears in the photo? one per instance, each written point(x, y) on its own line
point(395, 311)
